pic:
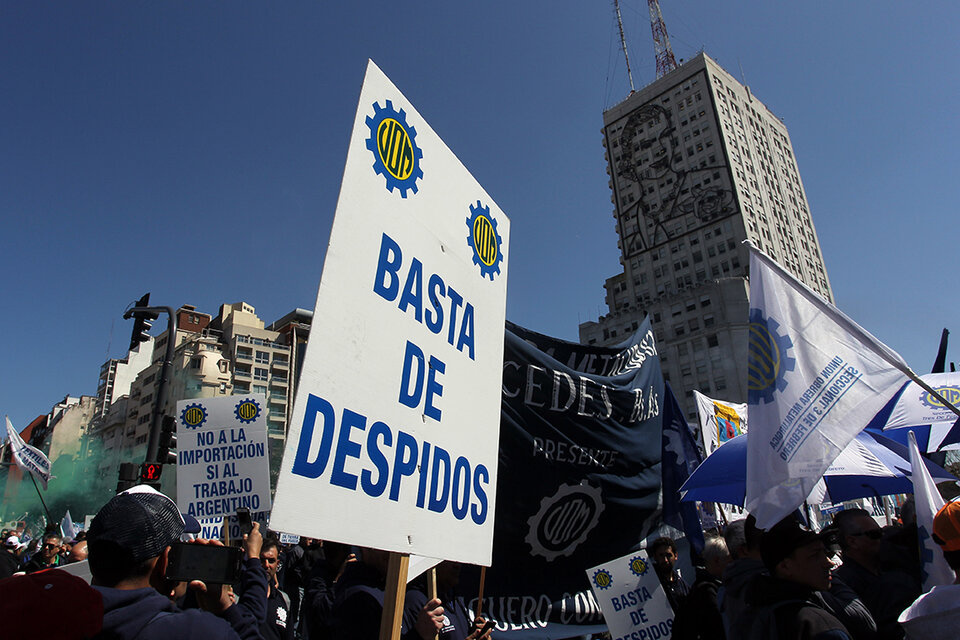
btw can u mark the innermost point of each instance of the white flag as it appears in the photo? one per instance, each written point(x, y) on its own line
point(815, 380)
point(719, 421)
point(28, 458)
point(67, 529)
point(934, 570)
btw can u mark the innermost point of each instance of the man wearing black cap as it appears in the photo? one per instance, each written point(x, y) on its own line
point(784, 604)
point(129, 546)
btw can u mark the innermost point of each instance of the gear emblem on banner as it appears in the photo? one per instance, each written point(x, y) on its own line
point(193, 416)
point(950, 393)
point(602, 579)
point(485, 240)
point(396, 155)
point(247, 410)
point(638, 566)
point(564, 520)
point(768, 358)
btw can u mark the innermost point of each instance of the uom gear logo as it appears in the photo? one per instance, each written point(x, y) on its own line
point(602, 579)
point(768, 358)
point(193, 416)
point(247, 411)
point(485, 241)
point(638, 566)
point(564, 520)
point(950, 393)
point(396, 155)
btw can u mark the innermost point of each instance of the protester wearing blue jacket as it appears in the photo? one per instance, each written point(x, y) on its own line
point(129, 542)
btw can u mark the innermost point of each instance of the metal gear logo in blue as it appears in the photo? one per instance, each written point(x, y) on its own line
point(247, 410)
point(602, 579)
point(638, 566)
point(768, 358)
point(485, 241)
point(193, 416)
point(396, 155)
point(950, 393)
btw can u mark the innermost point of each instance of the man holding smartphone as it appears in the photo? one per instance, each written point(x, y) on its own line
point(129, 553)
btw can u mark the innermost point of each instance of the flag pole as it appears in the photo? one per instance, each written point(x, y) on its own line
point(40, 495)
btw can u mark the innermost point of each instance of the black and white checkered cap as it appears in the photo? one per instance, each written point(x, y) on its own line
point(141, 521)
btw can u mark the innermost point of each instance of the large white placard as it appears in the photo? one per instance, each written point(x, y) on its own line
point(394, 432)
point(631, 598)
point(222, 456)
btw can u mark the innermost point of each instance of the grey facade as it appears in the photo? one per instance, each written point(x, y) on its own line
point(697, 165)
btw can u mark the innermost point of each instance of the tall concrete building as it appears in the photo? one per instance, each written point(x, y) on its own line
point(231, 353)
point(117, 374)
point(698, 164)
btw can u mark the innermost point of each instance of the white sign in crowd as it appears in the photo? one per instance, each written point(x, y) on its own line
point(631, 598)
point(393, 437)
point(222, 457)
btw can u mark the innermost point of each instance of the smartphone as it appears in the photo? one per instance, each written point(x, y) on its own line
point(243, 518)
point(210, 563)
point(487, 626)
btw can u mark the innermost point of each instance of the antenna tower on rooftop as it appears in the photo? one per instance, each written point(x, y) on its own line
point(623, 42)
point(661, 42)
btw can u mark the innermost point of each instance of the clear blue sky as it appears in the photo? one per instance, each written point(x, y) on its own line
point(195, 149)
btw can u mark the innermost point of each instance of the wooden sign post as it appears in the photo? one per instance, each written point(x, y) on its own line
point(393, 595)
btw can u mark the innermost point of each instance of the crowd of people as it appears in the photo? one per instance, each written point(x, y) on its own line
point(29, 555)
point(310, 591)
point(851, 581)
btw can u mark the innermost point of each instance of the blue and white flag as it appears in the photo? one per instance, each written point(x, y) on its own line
point(679, 459)
point(67, 529)
point(815, 379)
point(934, 570)
point(28, 458)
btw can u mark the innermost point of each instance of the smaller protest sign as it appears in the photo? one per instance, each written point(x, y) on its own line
point(289, 538)
point(222, 457)
point(212, 528)
point(631, 598)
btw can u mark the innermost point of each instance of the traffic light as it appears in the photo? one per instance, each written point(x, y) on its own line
point(150, 474)
point(141, 321)
point(128, 476)
point(168, 441)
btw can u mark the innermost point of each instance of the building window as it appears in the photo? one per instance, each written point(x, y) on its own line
point(712, 340)
point(263, 357)
point(259, 374)
point(259, 388)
